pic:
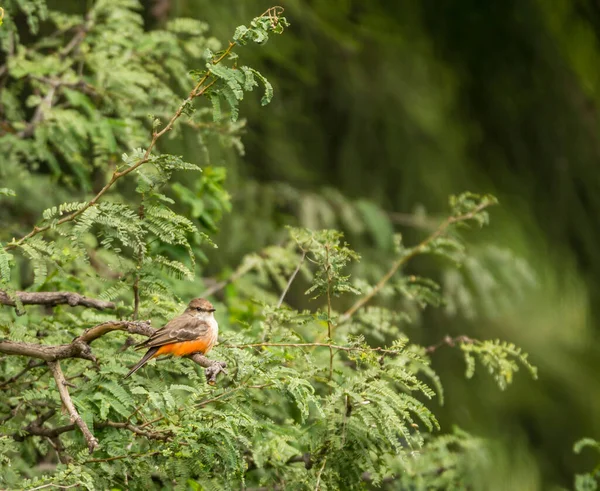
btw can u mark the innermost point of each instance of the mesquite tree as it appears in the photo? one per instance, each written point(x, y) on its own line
point(327, 398)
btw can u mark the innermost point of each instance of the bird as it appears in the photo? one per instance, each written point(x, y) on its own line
point(194, 331)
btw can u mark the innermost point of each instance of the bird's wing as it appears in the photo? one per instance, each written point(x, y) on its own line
point(179, 329)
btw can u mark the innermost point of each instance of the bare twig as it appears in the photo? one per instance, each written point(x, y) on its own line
point(52, 299)
point(119, 457)
point(414, 252)
point(69, 406)
point(319, 474)
point(449, 341)
point(227, 393)
point(52, 485)
point(152, 435)
point(31, 364)
point(309, 345)
point(289, 283)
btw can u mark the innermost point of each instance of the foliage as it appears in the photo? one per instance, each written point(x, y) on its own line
point(590, 480)
point(330, 397)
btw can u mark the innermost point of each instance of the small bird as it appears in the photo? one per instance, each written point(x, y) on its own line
point(194, 331)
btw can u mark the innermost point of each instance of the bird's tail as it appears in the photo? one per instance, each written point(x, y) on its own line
point(149, 354)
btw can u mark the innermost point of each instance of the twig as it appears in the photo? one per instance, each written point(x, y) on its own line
point(411, 220)
point(308, 345)
point(59, 486)
point(30, 365)
point(229, 392)
point(239, 272)
point(319, 474)
point(289, 283)
point(119, 457)
point(55, 298)
point(69, 406)
point(329, 327)
point(197, 91)
point(449, 341)
point(404, 259)
point(152, 435)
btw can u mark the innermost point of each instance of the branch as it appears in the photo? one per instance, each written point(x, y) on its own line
point(414, 252)
point(307, 345)
point(119, 457)
point(31, 364)
point(449, 341)
point(212, 368)
point(55, 298)
point(79, 347)
point(289, 283)
point(152, 435)
point(240, 271)
point(197, 91)
point(61, 383)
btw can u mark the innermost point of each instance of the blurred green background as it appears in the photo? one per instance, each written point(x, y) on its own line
point(401, 103)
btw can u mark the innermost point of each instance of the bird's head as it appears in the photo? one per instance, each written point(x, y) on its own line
point(200, 306)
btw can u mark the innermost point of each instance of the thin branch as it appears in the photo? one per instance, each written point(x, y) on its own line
point(319, 474)
point(414, 252)
point(239, 272)
point(52, 299)
point(30, 365)
point(152, 435)
point(227, 393)
point(197, 91)
point(329, 326)
point(119, 457)
point(59, 486)
point(308, 345)
point(69, 406)
point(289, 283)
point(449, 341)
point(413, 220)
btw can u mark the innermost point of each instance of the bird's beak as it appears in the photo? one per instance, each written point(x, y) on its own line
point(212, 310)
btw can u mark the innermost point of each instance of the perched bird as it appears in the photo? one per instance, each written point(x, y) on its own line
point(194, 331)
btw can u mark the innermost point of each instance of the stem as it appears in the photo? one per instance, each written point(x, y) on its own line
point(197, 91)
point(289, 283)
point(308, 345)
point(328, 271)
point(404, 259)
point(319, 474)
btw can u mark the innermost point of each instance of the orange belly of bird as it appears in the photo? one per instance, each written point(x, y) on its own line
point(184, 348)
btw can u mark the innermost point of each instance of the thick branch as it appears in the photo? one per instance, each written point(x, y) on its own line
point(79, 347)
point(61, 383)
point(414, 252)
point(55, 298)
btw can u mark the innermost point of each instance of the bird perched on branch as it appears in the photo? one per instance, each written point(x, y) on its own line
point(194, 331)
